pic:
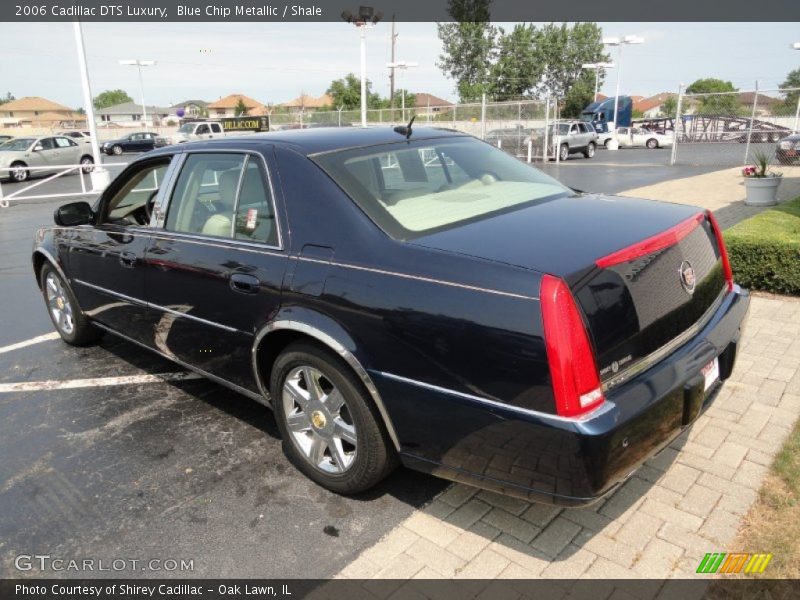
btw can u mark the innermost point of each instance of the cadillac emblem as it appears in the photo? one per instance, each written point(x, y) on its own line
point(688, 279)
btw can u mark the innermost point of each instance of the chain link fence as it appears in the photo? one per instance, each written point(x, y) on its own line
point(724, 129)
point(507, 125)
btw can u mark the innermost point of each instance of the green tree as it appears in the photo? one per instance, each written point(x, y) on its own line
point(468, 47)
point(516, 70)
point(579, 95)
point(720, 99)
point(111, 98)
point(792, 81)
point(669, 106)
point(241, 109)
point(9, 97)
point(563, 50)
point(346, 93)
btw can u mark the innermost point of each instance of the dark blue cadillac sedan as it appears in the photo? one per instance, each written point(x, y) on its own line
point(409, 297)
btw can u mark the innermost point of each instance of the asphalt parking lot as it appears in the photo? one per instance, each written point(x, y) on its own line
point(178, 469)
point(165, 470)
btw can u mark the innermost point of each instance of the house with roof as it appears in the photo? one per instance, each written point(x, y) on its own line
point(307, 104)
point(35, 111)
point(129, 114)
point(430, 103)
point(226, 107)
point(651, 107)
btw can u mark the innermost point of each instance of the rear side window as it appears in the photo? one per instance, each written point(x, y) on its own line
point(255, 220)
point(215, 128)
point(223, 195)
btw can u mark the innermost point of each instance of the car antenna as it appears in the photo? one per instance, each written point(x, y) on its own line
point(405, 129)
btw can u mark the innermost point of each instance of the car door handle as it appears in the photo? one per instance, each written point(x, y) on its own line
point(244, 283)
point(127, 259)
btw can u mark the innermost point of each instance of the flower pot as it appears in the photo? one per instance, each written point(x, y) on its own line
point(761, 191)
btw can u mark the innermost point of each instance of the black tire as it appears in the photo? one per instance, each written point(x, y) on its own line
point(783, 159)
point(21, 174)
point(116, 149)
point(652, 143)
point(606, 143)
point(82, 331)
point(88, 163)
point(590, 148)
point(563, 152)
point(374, 458)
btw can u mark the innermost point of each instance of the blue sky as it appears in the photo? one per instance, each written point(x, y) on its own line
point(276, 62)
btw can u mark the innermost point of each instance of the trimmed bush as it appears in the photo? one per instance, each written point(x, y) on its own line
point(764, 250)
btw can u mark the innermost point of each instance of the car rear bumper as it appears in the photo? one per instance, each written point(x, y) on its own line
point(563, 461)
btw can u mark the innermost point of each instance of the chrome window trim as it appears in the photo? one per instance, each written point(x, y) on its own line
point(199, 371)
point(260, 248)
point(270, 188)
point(417, 278)
point(159, 307)
point(657, 355)
point(603, 408)
point(337, 347)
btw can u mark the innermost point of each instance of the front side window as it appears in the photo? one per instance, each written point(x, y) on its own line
point(132, 203)
point(223, 195)
point(409, 189)
point(202, 129)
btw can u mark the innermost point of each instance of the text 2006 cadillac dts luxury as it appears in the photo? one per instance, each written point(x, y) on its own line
point(409, 297)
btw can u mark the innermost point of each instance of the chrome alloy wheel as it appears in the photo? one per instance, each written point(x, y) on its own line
point(319, 420)
point(59, 304)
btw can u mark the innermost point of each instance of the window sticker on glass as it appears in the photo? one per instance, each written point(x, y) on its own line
point(252, 219)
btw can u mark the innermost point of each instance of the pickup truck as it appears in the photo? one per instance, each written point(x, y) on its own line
point(204, 130)
point(199, 130)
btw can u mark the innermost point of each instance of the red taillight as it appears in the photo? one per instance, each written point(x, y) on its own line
point(576, 382)
point(723, 252)
point(662, 240)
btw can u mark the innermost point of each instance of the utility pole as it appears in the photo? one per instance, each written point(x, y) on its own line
point(391, 69)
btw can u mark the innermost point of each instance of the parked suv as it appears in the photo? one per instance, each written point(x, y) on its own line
point(568, 137)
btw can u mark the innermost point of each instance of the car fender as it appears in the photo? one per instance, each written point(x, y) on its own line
point(330, 334)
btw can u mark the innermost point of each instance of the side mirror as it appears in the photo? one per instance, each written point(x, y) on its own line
point(38, 148)
point(74, 213)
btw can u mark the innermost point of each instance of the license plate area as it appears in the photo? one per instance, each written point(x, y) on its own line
point(710, 374)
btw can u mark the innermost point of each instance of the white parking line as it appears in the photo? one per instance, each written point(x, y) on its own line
point(41, 338)
point(54, 384)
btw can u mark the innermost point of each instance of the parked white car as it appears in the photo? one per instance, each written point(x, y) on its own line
point(641, 137)
point(17, 155)
point(82, 137)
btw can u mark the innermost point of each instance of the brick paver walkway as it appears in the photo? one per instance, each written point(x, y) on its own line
point(685, 502)
point(688, 500)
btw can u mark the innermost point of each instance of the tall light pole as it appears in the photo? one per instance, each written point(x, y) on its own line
point(796, 46)
point(366, 17)
point(139, 64)
point(597, 67)
point(99, 177)
point(619, 42)
point(402, 65)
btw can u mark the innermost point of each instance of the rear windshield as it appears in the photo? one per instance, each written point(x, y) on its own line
point(418, 187)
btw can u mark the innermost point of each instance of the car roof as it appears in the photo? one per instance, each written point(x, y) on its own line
point(321, 139)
